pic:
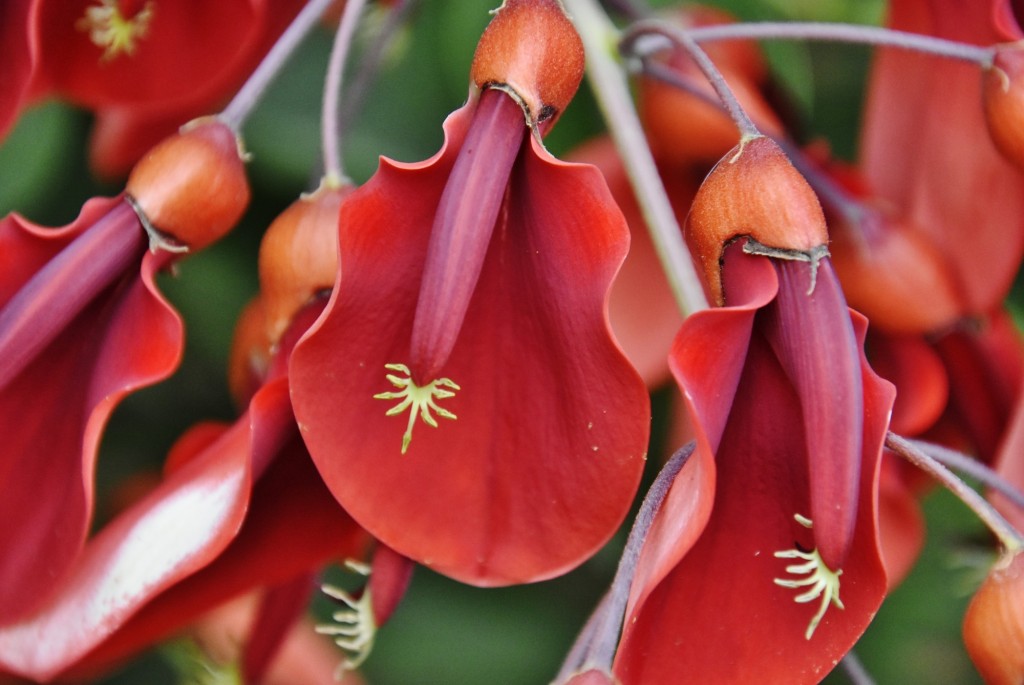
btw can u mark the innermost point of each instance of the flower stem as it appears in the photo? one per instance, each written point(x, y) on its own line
point(612, 92)
point(855, 670)
point(371, 60)
point(973, 468)
point(1009, 536)
point(632, 45)
point(838, 33)
point(597, 642)
point(238, 110)
point(330, 130)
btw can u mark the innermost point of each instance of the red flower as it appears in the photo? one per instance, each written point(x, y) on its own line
point(124, 60)
point(474, 285)
point(19, 53)
point(82, 325)
point(779, 501)
point(239, 508)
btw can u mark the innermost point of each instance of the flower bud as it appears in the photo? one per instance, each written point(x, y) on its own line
point(192, 186)
point(895, 275)
point(299, 256)
point(753, 191)
point(532, 51)
point(686, 127)
point(1003, 98)
point(250, 353)
point(994, 624)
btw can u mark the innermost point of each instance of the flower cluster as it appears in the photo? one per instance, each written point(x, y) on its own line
point(467, 363)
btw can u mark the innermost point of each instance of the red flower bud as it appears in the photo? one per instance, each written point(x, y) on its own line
point(299, 256)
point(532, 51)
point(753, 191)
point(1003, 97)
point(192, 186)
point(994, 624)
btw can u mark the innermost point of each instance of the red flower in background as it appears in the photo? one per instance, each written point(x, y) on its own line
point(123, 59)
point(474, 285)
point(779, 502)
point(81, 326)
point(939, 234)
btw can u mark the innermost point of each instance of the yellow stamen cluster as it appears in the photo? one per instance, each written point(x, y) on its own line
point(109, 29)
point(355, 627)
point(820, 580)
point(419, 398)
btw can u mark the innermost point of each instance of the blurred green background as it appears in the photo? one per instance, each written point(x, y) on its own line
point(446, 633)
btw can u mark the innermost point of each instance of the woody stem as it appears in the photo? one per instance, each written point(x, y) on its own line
point(1009, 536)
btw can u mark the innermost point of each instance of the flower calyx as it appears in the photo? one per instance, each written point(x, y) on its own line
point(755, 191)
point(531, 51)
point(994, 623)
point(191, 189)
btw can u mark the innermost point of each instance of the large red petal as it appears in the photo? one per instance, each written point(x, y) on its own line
point(926, 149)
point(541, 464)
point(52, 414)
point(707, 359)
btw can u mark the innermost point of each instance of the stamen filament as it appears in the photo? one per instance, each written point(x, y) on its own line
point(822, 581)
point(418, 399)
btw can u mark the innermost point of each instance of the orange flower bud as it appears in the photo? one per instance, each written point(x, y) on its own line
point(685, 128)
point(250, 353)
point(994, 624)
point(1003, 97)
point(299, 256)
point(532, 51)
point(753, 191)
point(192, 186)
point(895, 276)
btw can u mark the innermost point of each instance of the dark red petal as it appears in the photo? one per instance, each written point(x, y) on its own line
point(53, 412)
point(956, 188)
point(462, 229)
point(541, 464)
point(901, 526)
point(812, 336)
point(718, 616)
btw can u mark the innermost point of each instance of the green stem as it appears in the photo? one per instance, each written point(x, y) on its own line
point(611, 89)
